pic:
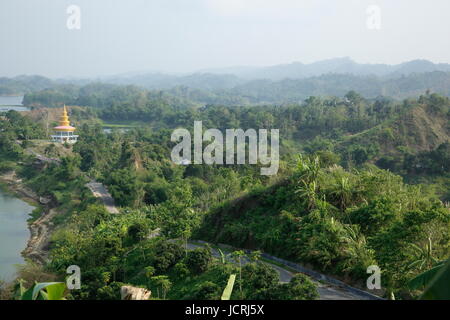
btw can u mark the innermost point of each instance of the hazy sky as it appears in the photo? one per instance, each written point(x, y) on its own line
point(118, 36)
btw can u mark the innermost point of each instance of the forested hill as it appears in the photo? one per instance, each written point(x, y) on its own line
point(346, 65)
point(339, 222)
point(410, 80)
point(421, 127)
point(23, 84)
point(329, 206)
point(202, 89)
point(291, 90)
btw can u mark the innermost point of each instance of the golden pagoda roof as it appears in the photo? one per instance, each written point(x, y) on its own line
point(64, 123)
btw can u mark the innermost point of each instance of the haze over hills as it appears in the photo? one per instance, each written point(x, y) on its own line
point(320, 78)
point(276, 84)
point(346, 65)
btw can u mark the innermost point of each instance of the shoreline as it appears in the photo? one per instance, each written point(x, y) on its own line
point(40, 229)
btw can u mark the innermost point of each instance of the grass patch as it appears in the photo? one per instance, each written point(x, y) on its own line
point(120, 125)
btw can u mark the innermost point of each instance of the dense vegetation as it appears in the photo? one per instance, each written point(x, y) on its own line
point(289, 83)
point(341, 222)
point(333, 207)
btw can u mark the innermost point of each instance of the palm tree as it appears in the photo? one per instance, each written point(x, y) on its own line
point(308, 192)
point(308, 169)
point(162, 282)
point(343, 193)
point(357, 248)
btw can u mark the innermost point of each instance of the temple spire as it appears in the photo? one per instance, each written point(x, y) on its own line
point(64, 131)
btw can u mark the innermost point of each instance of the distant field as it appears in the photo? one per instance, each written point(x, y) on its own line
point(122, 125)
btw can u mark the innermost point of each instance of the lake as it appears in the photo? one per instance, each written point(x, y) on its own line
point(12, 103)
point(14, 233)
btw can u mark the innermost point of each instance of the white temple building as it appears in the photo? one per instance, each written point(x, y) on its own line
point(63, 133)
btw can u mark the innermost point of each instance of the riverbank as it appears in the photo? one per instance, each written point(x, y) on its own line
point(40, 229)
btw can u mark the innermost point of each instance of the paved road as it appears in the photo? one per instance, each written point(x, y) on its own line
point(326, 291)
point(100, 191)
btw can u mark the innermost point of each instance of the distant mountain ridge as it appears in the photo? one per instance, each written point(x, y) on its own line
point(205, 81)
point(298, 70)
point(296, 90)
point(228, 78)
point(277, 84)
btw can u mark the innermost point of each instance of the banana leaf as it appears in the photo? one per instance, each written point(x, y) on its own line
point(226, 295)
point(423, 279)
point(44, 291)
point(439, 287)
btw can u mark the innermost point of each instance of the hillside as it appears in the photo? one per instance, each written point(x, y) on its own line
point(338, 84)
point(336, 221)
point(251, 85)
point(345, 65)
point(421, 128)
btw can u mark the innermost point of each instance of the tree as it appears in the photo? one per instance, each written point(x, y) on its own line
point(206, 291)
point(299, 288)
point(167, 254)
point(199, 260)
point(149, 272)
point(342, 192)
point(138, 231)
point(238, 255)
point(255, 256)
point(257, 277)
point(163, 283)
point(125, 187)
point(377, 214)
point(308, 192)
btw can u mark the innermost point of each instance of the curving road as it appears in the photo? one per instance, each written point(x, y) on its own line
point(326, 291)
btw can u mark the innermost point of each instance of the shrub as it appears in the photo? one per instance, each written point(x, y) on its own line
point(7, 166)
point(199, 260)
point(257, 276)
point(181, 270)
point(167, 255)
point(299, 288)
point(207, 291)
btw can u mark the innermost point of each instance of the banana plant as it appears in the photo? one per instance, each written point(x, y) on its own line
point(223, 256)
point(435, 281)
point(41, 291)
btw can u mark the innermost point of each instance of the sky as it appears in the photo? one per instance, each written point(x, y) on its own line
point(181, 36)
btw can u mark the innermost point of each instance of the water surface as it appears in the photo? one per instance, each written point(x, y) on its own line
point(12, 103)
point(14, 233)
